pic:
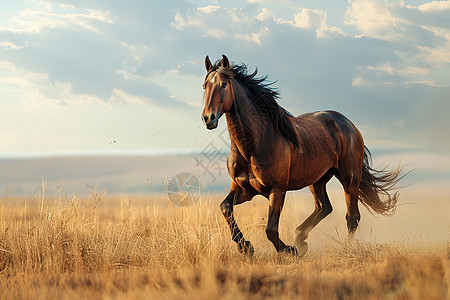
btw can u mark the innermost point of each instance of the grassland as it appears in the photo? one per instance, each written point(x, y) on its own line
point(101, 247)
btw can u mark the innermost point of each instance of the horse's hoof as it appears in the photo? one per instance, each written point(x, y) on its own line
point(246, 248)
point(350, 238)
point(302, 248)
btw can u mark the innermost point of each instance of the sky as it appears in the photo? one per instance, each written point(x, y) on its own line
point(125, 76)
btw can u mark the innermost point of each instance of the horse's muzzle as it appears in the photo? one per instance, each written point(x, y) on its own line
point(212, 125)
point(211, 121)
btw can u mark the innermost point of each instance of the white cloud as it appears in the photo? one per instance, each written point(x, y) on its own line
point(36, 89)
point(310, 18)
point(405, 72)
point(121, 96)
point(388, 74)
point(10, 45)
point(264, 14)
point(435, 6)
point(182, 22)
point(428, 82)
point(254, 37)
point(373, 19)
point(86, 49)
point(438, 54)
point(209, 9)
point(44, 14)
point(419, 35)
point(222, 23)
point(358, 81)
point(317, 20)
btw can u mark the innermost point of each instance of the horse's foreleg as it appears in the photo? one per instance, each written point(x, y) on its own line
point(236, 196)
point(276, 201)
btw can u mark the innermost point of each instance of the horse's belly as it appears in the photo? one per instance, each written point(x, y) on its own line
point(299, 183)
point(303, 173)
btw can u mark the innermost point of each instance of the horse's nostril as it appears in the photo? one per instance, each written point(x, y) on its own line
point(205, 118)
point(213, 117)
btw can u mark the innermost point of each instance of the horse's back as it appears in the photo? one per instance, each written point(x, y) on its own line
point(330, 120)
point(343, 134)
point(323, 116)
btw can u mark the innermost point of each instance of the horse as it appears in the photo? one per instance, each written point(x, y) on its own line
point(273, 152)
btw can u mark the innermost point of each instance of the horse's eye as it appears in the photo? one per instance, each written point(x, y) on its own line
point(224, 85)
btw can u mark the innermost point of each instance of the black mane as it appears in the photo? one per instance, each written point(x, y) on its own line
point(264, 97)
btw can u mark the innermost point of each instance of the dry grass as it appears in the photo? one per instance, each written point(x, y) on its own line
point(144, 247)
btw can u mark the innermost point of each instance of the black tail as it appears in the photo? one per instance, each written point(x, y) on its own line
point(376, 183)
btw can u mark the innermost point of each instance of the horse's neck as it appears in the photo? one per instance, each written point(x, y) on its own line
point(246, 125)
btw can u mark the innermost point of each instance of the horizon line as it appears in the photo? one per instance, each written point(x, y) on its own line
point(87, 153)
point(153, 152)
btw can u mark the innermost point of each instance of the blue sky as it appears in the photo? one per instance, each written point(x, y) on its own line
point(110, 76)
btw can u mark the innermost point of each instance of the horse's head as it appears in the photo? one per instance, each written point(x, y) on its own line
point(219, 94)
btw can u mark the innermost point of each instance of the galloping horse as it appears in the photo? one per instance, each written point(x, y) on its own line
point(273, 152)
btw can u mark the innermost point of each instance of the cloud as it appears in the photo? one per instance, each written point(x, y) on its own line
point(358, 81)
point(418, 35)
point(422, 31)
point(264, 14)
point(406, 72)
point(104, 47)
point(249, 24)
point(410, 26)
point(381, 66)
point(222, 23)
point(90, 49)
point(329, 68)
point(373, 19)
point(435, 7)
point(317, 20)
point(439, 54)
point(43, 14)
point(7, 45)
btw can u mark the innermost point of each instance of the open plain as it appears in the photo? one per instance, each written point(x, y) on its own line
point(107, 247)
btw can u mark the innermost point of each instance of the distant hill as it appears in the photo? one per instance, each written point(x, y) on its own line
point(142, 174)
point(121, 174)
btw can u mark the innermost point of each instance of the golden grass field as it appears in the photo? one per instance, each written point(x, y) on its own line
point(108, 247)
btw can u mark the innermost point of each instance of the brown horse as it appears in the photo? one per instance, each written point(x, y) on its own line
point(273, 152)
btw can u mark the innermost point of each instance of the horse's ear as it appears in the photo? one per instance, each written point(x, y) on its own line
point(208, 64)
point(225, 62)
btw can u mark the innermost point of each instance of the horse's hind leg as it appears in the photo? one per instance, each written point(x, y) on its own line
point(236, 196)
point(352, 217)
point(322, 209)
point(351, 188)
